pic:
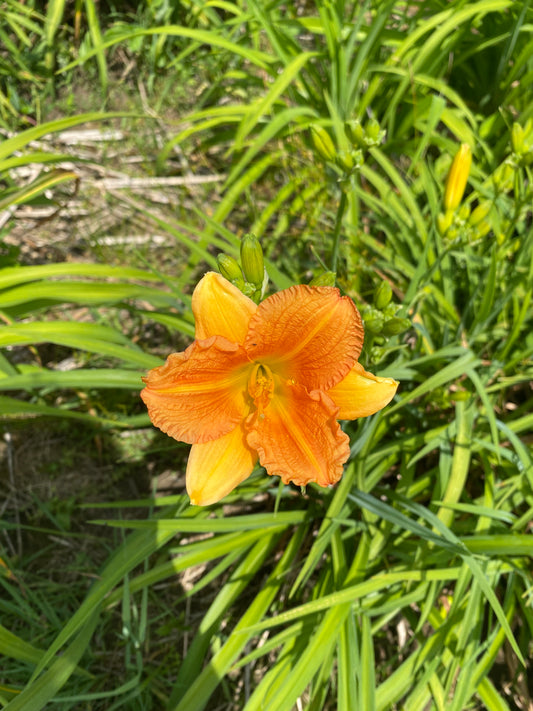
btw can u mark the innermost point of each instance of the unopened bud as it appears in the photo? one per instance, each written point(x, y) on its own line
point(444, 221)
point(517, 138)
point(323, 142)
point(324, 279)
point(345, 160)
point(457, 177)
point(390, 310)
point(252, 261)
point(483, 228)
point(374, 134)
point(503, 177)
point(374, 324)
point(383, 295)
point(355, 133)
point(229, 267)
point(452, 234)
point(464, 212)
point(480, 212)
point(396, 325)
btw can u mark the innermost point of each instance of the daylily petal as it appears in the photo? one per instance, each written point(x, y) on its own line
point(216, 468)
point(199, 395)
point(220, 309)
point(361, 394)
point(310, 335)
point(297, 436)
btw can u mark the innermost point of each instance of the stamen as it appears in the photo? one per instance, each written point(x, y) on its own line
point(261, 386)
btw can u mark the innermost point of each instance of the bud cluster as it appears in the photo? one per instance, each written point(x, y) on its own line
point(250, 275)
point(522, 143)
point(347, 161)
point(465, 225)
point(368, 137)
point(381, 320)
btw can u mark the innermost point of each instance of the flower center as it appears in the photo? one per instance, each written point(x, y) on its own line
point(261, 386)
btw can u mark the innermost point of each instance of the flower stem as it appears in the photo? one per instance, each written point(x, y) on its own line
point(337, 231)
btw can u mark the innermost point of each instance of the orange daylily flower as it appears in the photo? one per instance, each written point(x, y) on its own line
point(265, 382)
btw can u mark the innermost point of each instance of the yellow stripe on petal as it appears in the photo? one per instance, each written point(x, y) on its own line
point(201, 394)
point(308, 334)
point(220, 309)
point(298, 438)
point(361, 394)
point(215, 468)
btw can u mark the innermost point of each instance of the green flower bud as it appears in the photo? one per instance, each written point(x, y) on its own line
point(324, 279)
point(460, 396)
point(483, 228)
point(503, 177)
point(376, 354)
point(229, 267)
point(355, 133)
point(452, 234)
point(252, 261)
point(383, 295)
point(345, 160)
point(517, 138)
point(390, 311)
point(480, 212)
point(374, 134)
point(396, 325)
point(444, 221)
point(374, 324)
point(464, 212)
point(323, 142)
point(249, 290)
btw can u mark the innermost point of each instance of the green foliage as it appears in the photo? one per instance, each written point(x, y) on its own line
point(405, 586)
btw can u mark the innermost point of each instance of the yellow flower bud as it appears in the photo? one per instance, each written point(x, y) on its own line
point(457, 177)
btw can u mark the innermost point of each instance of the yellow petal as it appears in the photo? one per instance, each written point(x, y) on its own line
point(361, 394)
point(216, 468)
point(220, 309)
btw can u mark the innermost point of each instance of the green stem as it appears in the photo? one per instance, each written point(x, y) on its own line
point(337, 231)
